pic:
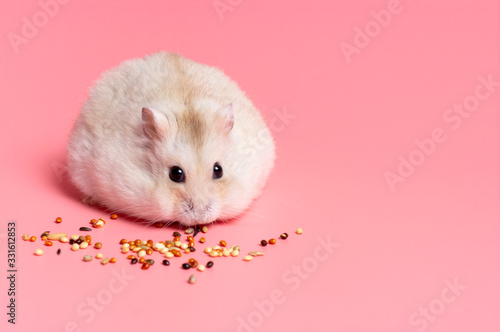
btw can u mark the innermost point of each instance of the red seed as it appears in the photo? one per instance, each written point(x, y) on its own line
point(58, 220)
point(193, 263)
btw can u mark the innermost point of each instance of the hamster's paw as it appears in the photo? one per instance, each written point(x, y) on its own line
point(88, 200)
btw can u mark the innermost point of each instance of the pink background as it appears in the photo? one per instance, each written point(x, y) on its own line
point(352, 119)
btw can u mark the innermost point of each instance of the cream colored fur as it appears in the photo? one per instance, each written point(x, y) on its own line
point(120, 156)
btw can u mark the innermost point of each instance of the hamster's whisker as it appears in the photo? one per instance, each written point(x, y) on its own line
point(255, 214)
point(125, 209)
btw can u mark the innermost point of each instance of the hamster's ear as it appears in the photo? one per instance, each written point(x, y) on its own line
point(226, 118)
point(154, 124)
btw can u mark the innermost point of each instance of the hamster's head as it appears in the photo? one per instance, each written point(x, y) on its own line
point(187, 153)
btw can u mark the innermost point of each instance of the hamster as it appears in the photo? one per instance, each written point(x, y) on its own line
point(163, 138)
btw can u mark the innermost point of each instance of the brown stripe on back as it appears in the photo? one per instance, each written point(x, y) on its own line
point(192, 124)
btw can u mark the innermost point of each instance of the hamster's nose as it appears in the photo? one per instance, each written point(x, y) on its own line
point(201, 213)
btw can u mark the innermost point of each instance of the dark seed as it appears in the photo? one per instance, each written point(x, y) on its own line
point(191, 249)
point(71, 241)
point(210, 264)
point(263, 243)
point(79, 241)
point(177, 234)
point(58, 251)
point(186, 266)
point(197, 229)
point(166, 262)
point(86, 229)
point(133, 261)
point(150, 261)
point(284, 236)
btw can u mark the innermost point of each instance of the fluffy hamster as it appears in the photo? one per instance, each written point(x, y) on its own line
point(164, 138)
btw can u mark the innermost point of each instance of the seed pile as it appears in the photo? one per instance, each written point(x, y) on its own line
point(76, 241)
point(140, 251)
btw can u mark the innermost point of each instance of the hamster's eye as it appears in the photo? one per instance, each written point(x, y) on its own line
point(217, 171)
point(176, 174)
